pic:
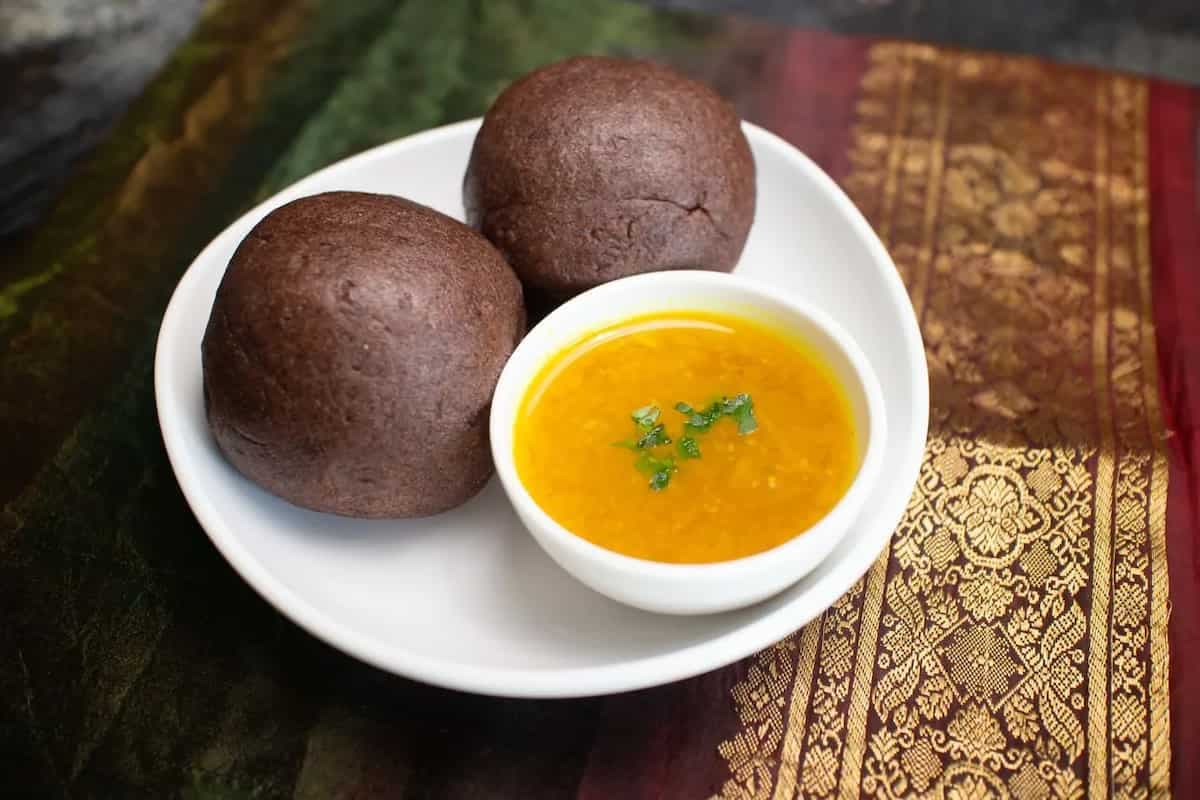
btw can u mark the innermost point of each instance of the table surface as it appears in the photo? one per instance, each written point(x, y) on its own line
point(1021, 638)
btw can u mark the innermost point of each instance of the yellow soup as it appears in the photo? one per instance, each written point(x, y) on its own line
point(771, 444)
point(729, 492)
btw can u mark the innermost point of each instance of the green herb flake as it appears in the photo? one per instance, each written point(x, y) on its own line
point(701, 421)
point(746, 421)
point(647, 463)
point(688, 447)
point(658, 468)
point(646, 417)
point(741, 409)
point(654, 437)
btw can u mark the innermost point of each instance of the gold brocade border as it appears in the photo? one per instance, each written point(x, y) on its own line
point(1102, 532)
point(1012, 640)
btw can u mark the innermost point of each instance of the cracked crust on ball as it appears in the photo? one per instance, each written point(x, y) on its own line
point(596, 168)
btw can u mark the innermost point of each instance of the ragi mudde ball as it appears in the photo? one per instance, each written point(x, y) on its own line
point(594, 168)
point(352, 351)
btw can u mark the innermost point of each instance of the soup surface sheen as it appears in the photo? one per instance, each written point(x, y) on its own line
point(744, 494)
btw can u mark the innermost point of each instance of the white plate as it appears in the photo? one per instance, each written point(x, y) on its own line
point(466, 599)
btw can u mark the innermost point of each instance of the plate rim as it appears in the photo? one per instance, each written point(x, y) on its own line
point(583, 681)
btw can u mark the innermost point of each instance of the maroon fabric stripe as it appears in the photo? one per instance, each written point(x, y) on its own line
point(1175, 249)
point(814, 85)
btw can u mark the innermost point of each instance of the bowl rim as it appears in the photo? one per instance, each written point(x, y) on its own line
point(825, 533)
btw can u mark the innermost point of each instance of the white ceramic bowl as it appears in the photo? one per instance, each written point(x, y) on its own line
point(690, 588)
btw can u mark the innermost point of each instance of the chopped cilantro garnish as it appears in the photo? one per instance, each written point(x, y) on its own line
point(652, 434)
point(740, 408)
